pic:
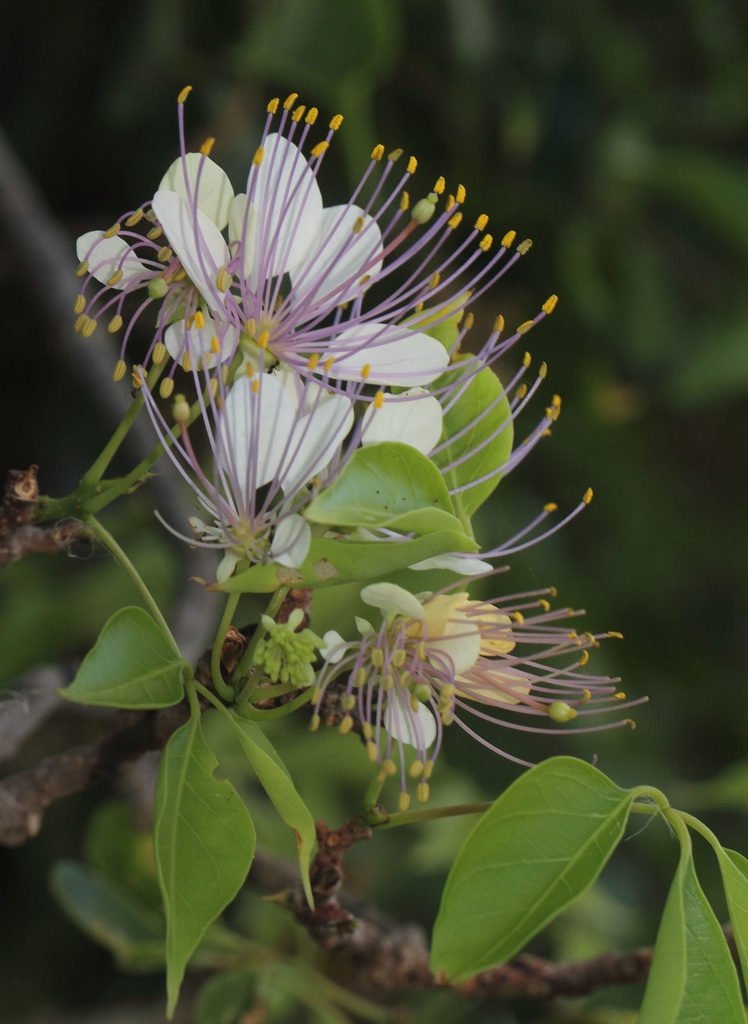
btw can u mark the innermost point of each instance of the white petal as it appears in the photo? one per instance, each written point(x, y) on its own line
point(198, 341)
point(227, 565)
point(254, 430)
point(315, 439)
point(463, 566)
point(394, 355)
point(107, 256)
point(196, 240)
point(291, 541)
point(197, 176)
point(415, 418)
point(349, 248)
point(334, 648)
point(416, 728)
point(389, 597)
point(284, 191)
point(243, 231)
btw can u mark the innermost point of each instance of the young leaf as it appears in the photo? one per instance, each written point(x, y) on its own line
point(478, 422)
point(204, 843)
point(734, 868)
point(543, 842)
point(131, 665)
point(331, 562)
point(693, 979)
point(380, 482)
point(278, 785)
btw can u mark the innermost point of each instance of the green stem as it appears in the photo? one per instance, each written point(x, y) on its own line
point(97, 470)
point(246, 664)
point(371, 796)
point(111, 544)
point(225, 691)
point(191, 687)
point(430, 813)
point(258, 715)
point(700, 827)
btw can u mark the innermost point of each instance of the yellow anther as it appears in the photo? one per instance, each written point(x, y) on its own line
point(377, 657)
point(584, 659)
point(461, 194)
point(290, 100)
point(521, 392)
point(150, 216)
point(199, 320)
point(525, 327)
point(586, 694)
point(311, 115)
point(448, 691)
point(378, 400)
point(327, 365)
point(113, 230)
point(542, 373)
point(405, 201)
point(347, 702)
point(451, 201)
point(134, 218)
point(154, 233)
point(619, 696)
point(119, 370)
point(159, 353)
point(455, 220)
point(552, 592)
point(223, 280)
point(215, 345)
point(263, 339)
point(631, 723)
point(419, 307)
point(508, 239)
point(412, 165)
point(518, 617)
point(615, 636)
point(358, 226)
point(428, 769)
point(313, 360)
point(588, 495)
point(404, 802)
point(469, 320)
point(367, 730)
point(336, 122)
point(378, 152)
point(164, 254)
point(184, 94)
point(189, 323)
point(485, 243)
point(298, 113)
point(82, 269)
point(421, 650)
point(422, 792)
point(314, 723)
point(165, 389)
point(358, 682)
point(435, 279)
point(257, 158)
point(447, 717)
point(272, 107)
point(544, 605)
point(526, 360)
point(114, 324)
point(389, 766)
point(207, 146)
point(394, 155)
point(365, 371)
point(550, 304)
point(89, 327)
point(137, 379)
point(524, 247)
point(482, 221)
point(371, 750)
point(439, 185)
point(550, 507)
point(416, 769)
point(498, 324)
point(255, 385)
point(80, 304)
point(319, 149)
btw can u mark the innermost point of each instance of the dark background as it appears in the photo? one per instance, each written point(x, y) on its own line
point(613, 133)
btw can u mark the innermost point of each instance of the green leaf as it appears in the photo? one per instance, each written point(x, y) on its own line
point(543, 842)
point(117, 850)
point(204, 843)
point(734, 868)
point(110, 915)
point(479, 422)
point(225, 997)
point(278, 785)
point(443, 322)
point(331, 562)
point(131, 665)
point(693, 979)
point(380, 482)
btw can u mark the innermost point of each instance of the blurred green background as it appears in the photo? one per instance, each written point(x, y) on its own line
point(612, 132)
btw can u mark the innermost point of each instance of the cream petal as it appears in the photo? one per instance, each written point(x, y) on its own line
point(415, 418)
point(285, 193)
point(253, 431)
point(198, 341)
point(315, 439)
point(393, 355)
point(416, 728)
point(389, 597)
point(291, 541)
point(195, 174)
point(107, 256)
point(243, 231)
point(196, 240)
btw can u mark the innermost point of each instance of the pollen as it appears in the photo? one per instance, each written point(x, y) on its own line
point(584, 659)
point(524, 247)
point(137, 380)
point(435, 279)
point(485, 243)
point(365, 371)
point(165, 389)
point(378, 152)
point(404, 201)
point(358, 226)
point(89, 327)
point(159, 353)
point(394, 155)
point(412, 165)
point(263, 339)
point(164, 254)
point(215, 344)
point(207, 146)
point(257, 158)
point(615, 636)
point(482, 221)
point(272, 107)
point(298, 113)
point(525, 327)
point(588, 494)
point(378, 400)
point(518, 617)
point(113, 230)
point(154, 233)
point(550, 507)
point(223, 280)
point(199, 320)
point(422, 792)
point(508, 239)
point(550, 304)
point(439, 185)
point(498, 324)
point(416, 769)
point(336, 122)
point(403, 802)
point(184, 94)
point(80, 304)
point(114, 324)
point(327, 365)
point(315, 723)
point(469, 320)
point(543, 372)
point(119, 370)
point(428, 769)
point(313, 360)
point(320, 148)
point(290, 100)
point(455, 220)
point(371, 750)
point(461, 194)
point(134, 218)
point(255, 385)
point(187, 362)
point(619, 696)
point(82, 269)
point(544, 605)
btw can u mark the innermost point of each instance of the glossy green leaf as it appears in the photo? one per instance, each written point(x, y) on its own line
point(331, 562)
point(693, 979)
point(443, 323)
point(478, 422)
point(131, 665)
point(225, 997)
point(110, 915)
point(380, 482)
point(734, 868)
point(204, 842)
point(277, 783)
point(543, 842)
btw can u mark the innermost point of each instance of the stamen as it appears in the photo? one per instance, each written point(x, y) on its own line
point(165, 389)
point(119, 370)
point(207, 146)
point(336, 122)
point(184, 94)
point(114, 324)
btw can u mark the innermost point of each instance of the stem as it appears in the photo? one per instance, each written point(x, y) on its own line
point(256, 714)
point(222, 688)
point(371, 797)
point(113, 547)
point(700, 827)
point(430, 813)
point(246, 664)
point(96, 471)
point(191, 687)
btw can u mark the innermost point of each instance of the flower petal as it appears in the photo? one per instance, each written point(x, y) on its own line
point(463, 566)
point(415, 418)
point(253, 432)
point(291, 541)
point(196, 240)
point(197, 177)
point(393, 355)
point(334, 648)
point(107, 256)
point(389, 597)
point(416, 728)
point(315, 439)
point(243, 231)
point(198, 341)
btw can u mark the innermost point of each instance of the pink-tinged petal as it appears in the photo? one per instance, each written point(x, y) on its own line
point(346, 257)
point(414, 418)
point(315, 439)
point(390, 598)
point(416, 728)
point(198, 341)
point(107, 256)
point(243, 232)
point(199, 245)
point(291, 541)
point(383, 354)
point(254, 431)
point(200, 179)
point(285, 193)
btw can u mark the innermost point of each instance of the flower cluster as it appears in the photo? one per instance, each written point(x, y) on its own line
point(339, 429)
